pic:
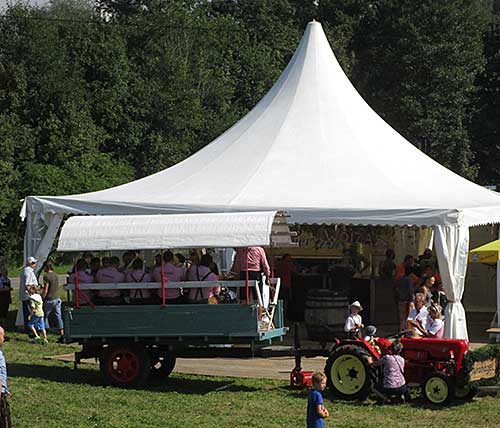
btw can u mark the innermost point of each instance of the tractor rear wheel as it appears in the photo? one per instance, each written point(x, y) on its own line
point(124, 365)
point(162, 364)
point(348, 373)
point(437, 388)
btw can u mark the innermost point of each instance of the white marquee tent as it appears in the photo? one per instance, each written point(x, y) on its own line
point(314, 148)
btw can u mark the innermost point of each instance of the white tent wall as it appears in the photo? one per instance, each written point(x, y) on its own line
point(452, 249)
point(341, 162)
point(39, 238)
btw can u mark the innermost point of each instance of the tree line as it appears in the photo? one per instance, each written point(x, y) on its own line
point(97, 93)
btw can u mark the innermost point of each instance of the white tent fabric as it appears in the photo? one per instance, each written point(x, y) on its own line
point(312, 136)
point(142, 232)
point(312, 147)
point(452, 249)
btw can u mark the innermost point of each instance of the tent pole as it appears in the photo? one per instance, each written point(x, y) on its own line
point(246, 276)
point(271, 256)
point(77, 291)
point(163, 291)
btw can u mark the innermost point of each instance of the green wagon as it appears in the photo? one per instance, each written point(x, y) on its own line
point(137, 342)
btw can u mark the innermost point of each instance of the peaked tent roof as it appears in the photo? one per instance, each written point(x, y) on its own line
point(313, 147)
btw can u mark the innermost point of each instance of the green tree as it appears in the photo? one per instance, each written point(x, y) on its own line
point(416, 64)
point(484, 123)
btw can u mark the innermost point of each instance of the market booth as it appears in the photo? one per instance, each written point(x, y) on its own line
point(314, 148)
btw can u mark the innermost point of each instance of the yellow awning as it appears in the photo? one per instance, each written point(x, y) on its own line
point(488, 253)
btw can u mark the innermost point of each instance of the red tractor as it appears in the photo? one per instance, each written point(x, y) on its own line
point(436, 365)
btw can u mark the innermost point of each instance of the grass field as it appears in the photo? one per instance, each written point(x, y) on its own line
point(14, 271)
point(50, 394)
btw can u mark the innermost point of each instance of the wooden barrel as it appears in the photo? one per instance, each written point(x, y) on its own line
point(325, 314)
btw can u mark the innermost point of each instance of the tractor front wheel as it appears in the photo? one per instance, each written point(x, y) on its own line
point(348, 373)
point(437, 388)
point(125, 365)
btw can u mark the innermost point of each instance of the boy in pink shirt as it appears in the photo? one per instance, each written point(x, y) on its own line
point(137, 275)
point(202, 272)
point(172, 274)
point(84, 296)
point(110, 275)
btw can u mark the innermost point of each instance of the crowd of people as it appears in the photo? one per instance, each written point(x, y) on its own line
point(168, 267)
point(418, 291)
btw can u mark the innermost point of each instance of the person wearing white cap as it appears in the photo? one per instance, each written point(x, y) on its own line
point(26, 280)
point(354, 321)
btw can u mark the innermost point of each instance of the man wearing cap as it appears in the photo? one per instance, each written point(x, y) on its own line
point(26, 280)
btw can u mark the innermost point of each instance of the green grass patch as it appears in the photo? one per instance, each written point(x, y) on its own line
point(50, 393)
point(15, 271)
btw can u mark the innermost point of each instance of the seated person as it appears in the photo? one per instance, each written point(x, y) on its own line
point(172, 273)
point(370, 333)
point(202, 272)
point(426, 287)
point(393, 381)
point(95, 265)
point(128, 258)
point(110, 275)
point(84, 296)
point(439, 297)
point(435, 327)
point(138, 275)
point(194, 260)
point(353, 322)
point(418, 317)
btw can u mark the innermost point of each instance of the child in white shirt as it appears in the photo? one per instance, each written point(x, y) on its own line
point(36, 319)
point(354, 321)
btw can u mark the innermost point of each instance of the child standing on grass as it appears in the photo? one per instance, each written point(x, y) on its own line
point(316, 411)
point(36, 322)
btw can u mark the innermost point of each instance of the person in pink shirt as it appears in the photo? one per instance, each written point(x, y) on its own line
point(84, 296)
point(110, 275)
point(193, 263)
point(257, 264)
point(172, 274)
point(202, 272)
point(138, 275)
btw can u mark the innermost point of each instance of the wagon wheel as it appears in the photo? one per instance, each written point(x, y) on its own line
point(437, 388)
point(124, 365)
point(162, 364)
point(348, 373)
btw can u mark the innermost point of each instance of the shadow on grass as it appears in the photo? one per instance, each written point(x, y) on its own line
point(417, 400)
point(54, 373)
point(179, 384)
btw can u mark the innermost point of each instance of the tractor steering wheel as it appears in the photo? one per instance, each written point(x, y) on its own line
point(400, 334)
